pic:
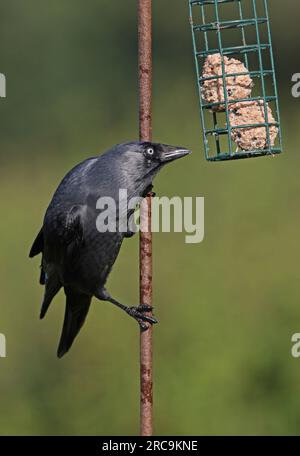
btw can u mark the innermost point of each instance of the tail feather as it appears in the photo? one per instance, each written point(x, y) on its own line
point(52, 287)
point(42, 276)
point(77, 307)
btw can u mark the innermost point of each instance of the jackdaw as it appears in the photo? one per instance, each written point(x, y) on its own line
point(76, 255)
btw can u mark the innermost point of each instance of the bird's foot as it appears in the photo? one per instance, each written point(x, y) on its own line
point(149, 192)
point(138, 314)
point(144, 308)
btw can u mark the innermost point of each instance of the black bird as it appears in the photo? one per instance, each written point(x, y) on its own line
point(75, 255)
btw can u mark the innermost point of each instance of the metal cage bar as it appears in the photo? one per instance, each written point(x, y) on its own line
point(207, 22)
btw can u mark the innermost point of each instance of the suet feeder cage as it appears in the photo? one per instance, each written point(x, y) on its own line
point(236, 78)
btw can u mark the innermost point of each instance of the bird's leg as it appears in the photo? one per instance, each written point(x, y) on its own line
point(148, 191)
point(136, 312)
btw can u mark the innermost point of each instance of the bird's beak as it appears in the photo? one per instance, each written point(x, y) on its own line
point(174, 153)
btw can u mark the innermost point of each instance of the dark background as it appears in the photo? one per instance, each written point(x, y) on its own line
point(227, 307)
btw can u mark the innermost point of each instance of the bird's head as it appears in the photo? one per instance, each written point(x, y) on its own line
point(157, 155)
point(143, 160)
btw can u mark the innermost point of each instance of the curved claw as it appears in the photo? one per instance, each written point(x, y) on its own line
point(138, 315)
point(143, 326)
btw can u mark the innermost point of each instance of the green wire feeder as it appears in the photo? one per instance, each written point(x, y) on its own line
point(235, 33)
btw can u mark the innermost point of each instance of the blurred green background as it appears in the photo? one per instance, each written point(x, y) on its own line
point(227, 307)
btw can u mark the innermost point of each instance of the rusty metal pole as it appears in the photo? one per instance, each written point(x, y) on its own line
point(145, 128)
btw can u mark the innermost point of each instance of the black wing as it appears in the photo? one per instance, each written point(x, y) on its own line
point(38, 245)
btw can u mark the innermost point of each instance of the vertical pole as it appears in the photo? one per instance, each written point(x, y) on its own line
point(145, 129)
